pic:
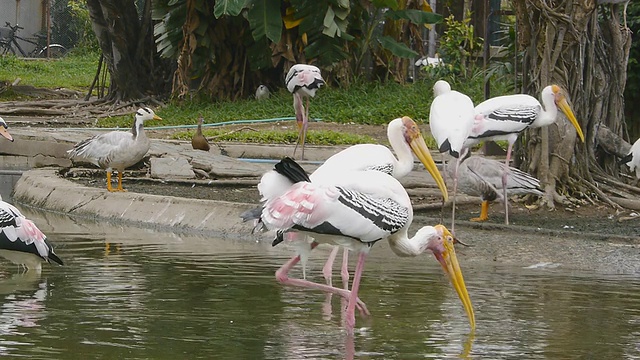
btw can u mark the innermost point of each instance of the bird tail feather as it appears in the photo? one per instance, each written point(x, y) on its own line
point(290, 169)
point(625, 159)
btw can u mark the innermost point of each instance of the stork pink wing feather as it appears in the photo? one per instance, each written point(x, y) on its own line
point(300, 205)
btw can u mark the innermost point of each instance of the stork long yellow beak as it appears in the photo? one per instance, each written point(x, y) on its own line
point(5, 133)
point(416, 142)
point(566, 109)
point(449, 262)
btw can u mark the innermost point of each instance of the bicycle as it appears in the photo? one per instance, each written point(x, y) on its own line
point(9, 44)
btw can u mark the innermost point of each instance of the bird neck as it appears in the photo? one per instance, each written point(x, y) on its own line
point(199, 130)
point(138, 130)
point(403, 152)
point(549, 111)
point(404, 246)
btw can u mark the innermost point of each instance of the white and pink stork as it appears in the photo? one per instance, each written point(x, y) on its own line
point(405, 139)
point(303, 81)
point(451, 118)
point(633, 158)
point(505, 117)
point(355, 210)
point(21, 242)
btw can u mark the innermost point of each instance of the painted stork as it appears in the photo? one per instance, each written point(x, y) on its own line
point(117, 149)
point(633, 158)
point(303, 81)
point(404, 137)
point(3, 130)
point(479, 176)
point(355, 210)
point(199, 141)
point(505, 117)
point(21, 242)
point(451, 118)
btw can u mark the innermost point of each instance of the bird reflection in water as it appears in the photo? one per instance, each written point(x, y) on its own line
point(22, 303)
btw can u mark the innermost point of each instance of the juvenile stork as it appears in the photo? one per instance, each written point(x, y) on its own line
point(303, 81)
point(479, 176)
point(505, 117)
point(355, 210)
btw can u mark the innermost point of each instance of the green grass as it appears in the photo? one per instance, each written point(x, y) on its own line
point(316, 137)
point(371, 103)
point(72, 71)
point(361, 103)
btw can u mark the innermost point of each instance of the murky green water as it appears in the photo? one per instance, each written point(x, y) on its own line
point(149, 295)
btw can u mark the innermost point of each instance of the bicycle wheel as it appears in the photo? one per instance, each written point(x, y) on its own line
point(55, 51)
point(7, 49)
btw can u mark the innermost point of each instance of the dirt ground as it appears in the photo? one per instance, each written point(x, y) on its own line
point(599, 221)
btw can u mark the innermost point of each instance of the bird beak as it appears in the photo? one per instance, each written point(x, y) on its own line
point(566, 109)
point(4, 132)
point(156, 117)
point(419, 147)
point(449, 261)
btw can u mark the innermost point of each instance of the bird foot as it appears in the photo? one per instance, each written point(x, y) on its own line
point(117, 190)
point(479, 219)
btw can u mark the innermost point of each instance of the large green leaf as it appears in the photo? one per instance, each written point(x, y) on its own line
point(417, 17)
point(228, 7)
point(397, 48)
point(265, 20)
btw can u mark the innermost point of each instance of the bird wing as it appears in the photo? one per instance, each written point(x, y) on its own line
point(336, 211)
point(360, 157)
point(100, 148)
point(18, 233)
point(451, 119)
point(487, 176)
point(504, 115)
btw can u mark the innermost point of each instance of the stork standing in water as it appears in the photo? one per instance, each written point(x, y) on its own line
point(405, 139)
point(505, 117)
point(355, 210)
point(303, 81)
point(21, 242)
point(451, 118)
point(479, 176)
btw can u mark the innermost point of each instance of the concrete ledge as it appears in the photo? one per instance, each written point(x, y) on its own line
point(44, 189)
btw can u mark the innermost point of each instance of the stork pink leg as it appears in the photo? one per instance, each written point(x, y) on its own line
point(345, 269)
point(283, 278)
point(350, 316)
point(327, 269)
point(504, 184)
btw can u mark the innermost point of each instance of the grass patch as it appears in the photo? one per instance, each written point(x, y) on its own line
point(73, 71)
point(315, 137)
point(371, 103)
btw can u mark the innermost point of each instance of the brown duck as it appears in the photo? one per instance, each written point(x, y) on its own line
point(198, 141)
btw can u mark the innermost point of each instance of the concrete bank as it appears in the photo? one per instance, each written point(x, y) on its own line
point(43, 188)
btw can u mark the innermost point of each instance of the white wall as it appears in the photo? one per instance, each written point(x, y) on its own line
point(27, 13)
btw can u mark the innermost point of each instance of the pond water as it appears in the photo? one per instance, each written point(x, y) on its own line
point(135, 293)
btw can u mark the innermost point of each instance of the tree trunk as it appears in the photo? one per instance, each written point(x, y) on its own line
point(566, 44)
point(126, 41)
